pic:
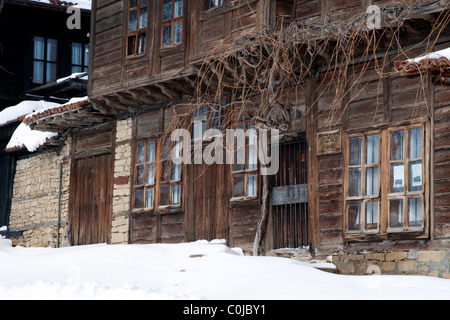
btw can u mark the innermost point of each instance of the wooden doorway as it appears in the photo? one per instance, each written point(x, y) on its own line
point(91, 186)
point(289, 198)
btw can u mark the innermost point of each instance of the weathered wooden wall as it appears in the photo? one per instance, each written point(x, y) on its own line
point(203, 30)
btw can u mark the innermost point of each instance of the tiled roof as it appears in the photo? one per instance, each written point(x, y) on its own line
point(56, 110)
point(411, 67)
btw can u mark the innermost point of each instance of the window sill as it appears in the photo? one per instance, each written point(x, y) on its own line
point(138, 56)
point(162, 210)
point(391, 234)
point(237, 201)
point(405, 230)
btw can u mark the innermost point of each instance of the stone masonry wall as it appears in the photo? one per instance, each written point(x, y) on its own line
point(122, 182)
point(414, 262)
point(34, 205)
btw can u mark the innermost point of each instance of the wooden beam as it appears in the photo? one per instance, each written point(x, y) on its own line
point(168, 91)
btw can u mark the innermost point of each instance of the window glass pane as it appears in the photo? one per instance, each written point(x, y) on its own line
point(354, 216)
point(132, 22)
point(86, 55)
point(415, 176)
point(371, 181)
point(252, 158)
point(39, 44)
point(166, 149)
point(177, 33)
point(140, 170)
point(415, 143)
point(144, 2)
point(50, 72)
point(215, 3)
point(131, 45)
point(133, 3)
point(178, 10)
point(354, 184)
point(372, 149)
point(415, 212)
point(149, 198)
point(372, 215)
point(251, 186)
point(150, 179)
point(355, 154)
point(164, 195)
point(38, 72)
point(238, 186)
point(143, 18)
point(76, 69)
point(142, 42)
point(138, 199)
point(140, 153)
point(176, 171)
point(51, 50)
point(166, 170)
point(167, 11)
point(397, 177)
point(396, 213)
point(397, 145)
point(151, 152)
point(167, 34)
point(77, 53)
point(176, 194)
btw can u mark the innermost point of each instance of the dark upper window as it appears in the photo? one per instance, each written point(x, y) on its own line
point(137, 27)
point(44, 60)
point(80, 57)
point(215, 3)
point(172, 22)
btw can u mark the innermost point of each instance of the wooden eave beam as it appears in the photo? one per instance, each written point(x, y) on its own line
point(169, 91)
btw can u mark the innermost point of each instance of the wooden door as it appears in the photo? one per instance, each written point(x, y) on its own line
point(289, 198)
point(91, 221)
point(208, 214)
point(91, 187)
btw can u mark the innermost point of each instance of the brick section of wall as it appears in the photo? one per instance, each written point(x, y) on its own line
point(122, 182)
point(430, 263)
point(34, 206)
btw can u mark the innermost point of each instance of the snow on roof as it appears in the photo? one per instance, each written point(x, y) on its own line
point(15, 113)
point(82, 4)
point(77, 75)
point(25, 137)
point(445, 53)
point(72, 103)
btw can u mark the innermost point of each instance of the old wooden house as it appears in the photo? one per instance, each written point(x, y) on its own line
point(36, 49)
point(363, 147)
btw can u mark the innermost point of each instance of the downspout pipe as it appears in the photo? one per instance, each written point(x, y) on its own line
point(59, 203)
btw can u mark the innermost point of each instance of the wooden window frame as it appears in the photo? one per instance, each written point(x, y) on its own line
point(210, 109)
point(84, 64)
point(138, 32)
point(247, 171)
point(407, 194)
point(171, 22)
point(45, 61)
point(385, 195)
point(158, 180)
point(363, 199)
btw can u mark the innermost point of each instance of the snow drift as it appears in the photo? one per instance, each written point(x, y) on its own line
point(198, 270)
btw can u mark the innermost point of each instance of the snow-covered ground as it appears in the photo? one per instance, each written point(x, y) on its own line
point(198, 270)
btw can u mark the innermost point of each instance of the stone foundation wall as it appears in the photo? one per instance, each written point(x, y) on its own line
point(122, 182)
point(429, 263)
point(34, 205)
